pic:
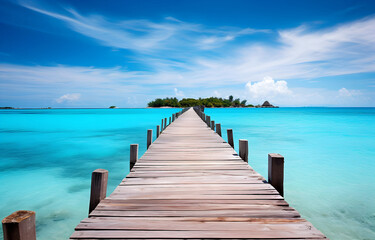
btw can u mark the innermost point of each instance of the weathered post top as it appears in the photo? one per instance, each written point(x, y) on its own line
point(99, 180)
point(19, 225)
point(276, 172)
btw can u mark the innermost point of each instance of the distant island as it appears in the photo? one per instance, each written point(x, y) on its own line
point(207, 102)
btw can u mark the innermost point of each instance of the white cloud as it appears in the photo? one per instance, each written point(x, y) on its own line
point(300, 52)
point(210, 58)
point(178, 93)
point(343, 92)
point(69, 97)
point(278, 93)
point(216, 93)
point(268, 88)
point(143, 35)
point(101, 87)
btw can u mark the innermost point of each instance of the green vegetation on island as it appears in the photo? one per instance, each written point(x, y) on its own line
point(207, 102)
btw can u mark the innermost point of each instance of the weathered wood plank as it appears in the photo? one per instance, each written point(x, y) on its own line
point(261, 213)
point(223, 234)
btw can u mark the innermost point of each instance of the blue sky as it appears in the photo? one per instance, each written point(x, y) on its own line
point(126, 53)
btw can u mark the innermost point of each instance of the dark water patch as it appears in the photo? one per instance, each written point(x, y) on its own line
point(39, 131)
point(15, 131)
point(78, 187)
point(43, 203)
point(58, 215)
point(75, 165)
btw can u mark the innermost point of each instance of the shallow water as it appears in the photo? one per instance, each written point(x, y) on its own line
point(47, 156)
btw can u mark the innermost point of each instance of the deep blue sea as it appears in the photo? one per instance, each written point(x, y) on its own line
point(47, 156)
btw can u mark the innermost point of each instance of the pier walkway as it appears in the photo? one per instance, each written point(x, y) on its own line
point(191, 184)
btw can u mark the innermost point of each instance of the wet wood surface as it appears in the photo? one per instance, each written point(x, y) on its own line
point(191, 184)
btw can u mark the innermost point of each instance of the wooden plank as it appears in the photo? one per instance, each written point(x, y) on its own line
point(195, 201)
point(261, 213)
point(139, 224)
point(223, 234)
point(186, 207)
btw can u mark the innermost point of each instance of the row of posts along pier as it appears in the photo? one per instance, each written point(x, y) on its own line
point(20, 225)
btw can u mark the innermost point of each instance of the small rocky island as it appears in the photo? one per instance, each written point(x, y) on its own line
point(266, 104)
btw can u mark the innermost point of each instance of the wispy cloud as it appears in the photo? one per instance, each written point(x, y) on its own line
point(143, 35)
point(100, 86)
point(178, 93)
point(295, 53)
point(343, 92)
point(186, 55)
point(69, 97)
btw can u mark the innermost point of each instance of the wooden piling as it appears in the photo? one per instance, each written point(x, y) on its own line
point(170, 121)
point(243, 149)
point(230, 137)
point(133, 155)
point(162, 125)
point(208, 121)
point(213, 125)
point(157, 131)
point(99, 179)
point(20, 225)
point(218, 129)
point(276, 172)
point(149, 137)
point(165, 123)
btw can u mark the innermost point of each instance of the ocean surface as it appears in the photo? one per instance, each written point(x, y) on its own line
point(47, 156)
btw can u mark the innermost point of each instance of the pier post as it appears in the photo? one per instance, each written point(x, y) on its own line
point(99, 179)
point(213, 125)
point(243, 149)
point(276, 172)
point(162, 125)
point(208, 121)
point(157, 131)
point(170, 121)
point(133, 155)
point(19, 225)
point(204, 117)
point(165, 123)
point(230, 137)
point(218, 129)
point(149, 137)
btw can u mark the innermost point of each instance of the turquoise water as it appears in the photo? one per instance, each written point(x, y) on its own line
point(47, 156)
point(329, 161)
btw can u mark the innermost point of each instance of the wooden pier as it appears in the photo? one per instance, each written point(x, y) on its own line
point(191, 184)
